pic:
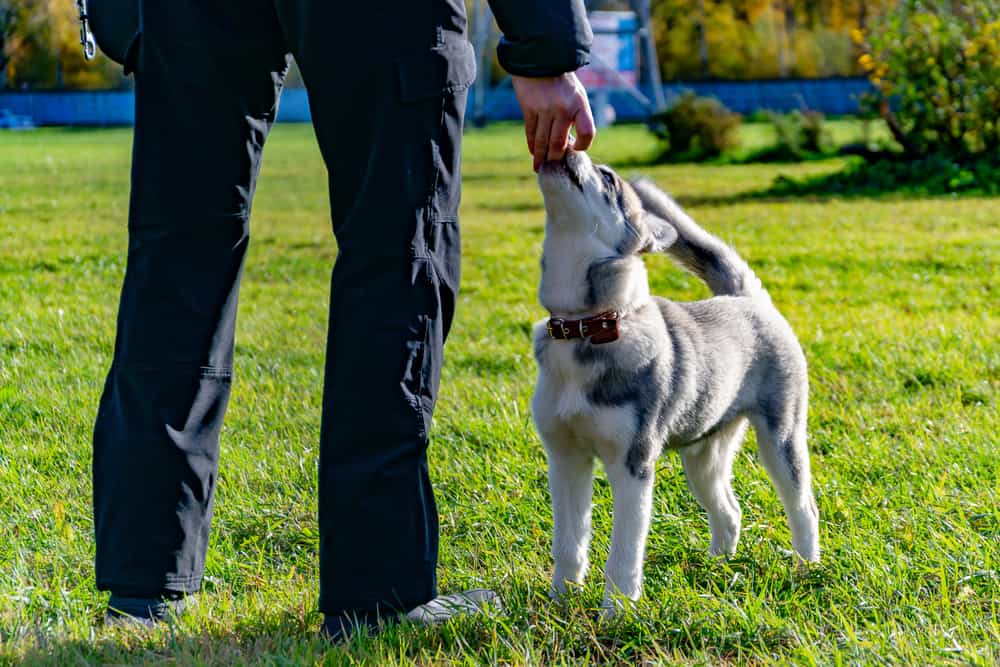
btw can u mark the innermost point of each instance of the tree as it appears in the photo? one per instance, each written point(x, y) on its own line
point(702, 39)
point(759, 38)
point(26, 40)
point(788, 11)
point(939, 64)
point(39, 43)
point(6, 28)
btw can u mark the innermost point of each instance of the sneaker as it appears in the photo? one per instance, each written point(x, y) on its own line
point(339, 627)
point(142, 612)
point(446, 607)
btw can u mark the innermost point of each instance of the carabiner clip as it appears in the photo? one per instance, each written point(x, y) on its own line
point(86, 37)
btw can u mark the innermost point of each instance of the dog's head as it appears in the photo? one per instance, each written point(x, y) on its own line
point(587, 199)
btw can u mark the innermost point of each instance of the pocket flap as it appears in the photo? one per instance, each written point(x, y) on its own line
point(115, 24)
point(447, 68)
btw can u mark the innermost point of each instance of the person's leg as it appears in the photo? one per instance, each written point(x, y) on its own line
point(207, 82)
point(387, 87)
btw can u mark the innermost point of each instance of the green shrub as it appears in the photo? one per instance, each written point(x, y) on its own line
point(696, 127)
point(936, 67)
point(812, 131)
point(801, 135)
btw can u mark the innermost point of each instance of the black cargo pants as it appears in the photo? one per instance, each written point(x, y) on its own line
point(386, 83)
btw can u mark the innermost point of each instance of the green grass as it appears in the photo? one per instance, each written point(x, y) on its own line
point(895, 302)
point(755, 135)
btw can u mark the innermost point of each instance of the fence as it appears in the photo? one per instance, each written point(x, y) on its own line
point(835, 96)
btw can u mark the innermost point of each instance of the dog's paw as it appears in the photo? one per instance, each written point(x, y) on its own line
point(614, 607)
point(807, 560)
point(613, 610)
point(802, 561)
point(609, 612)
point(725, 536)
point(806, 547)
point(723, 550)
point(808, 552)
point(563, 588)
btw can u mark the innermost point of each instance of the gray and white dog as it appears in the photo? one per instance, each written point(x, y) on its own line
point(623, 374)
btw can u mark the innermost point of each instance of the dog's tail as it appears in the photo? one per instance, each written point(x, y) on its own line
point(704, 255)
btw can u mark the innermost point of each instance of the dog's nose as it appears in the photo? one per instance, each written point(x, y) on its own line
point(572, 160)
point(569, 158)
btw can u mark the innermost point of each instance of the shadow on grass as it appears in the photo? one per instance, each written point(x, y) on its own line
point(890, 177)
point(125, 646)
point(769, 155)
point(282, 638)
point(534, 630)
point(512, 207)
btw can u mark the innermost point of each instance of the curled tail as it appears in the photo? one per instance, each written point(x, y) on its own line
point(704, 255)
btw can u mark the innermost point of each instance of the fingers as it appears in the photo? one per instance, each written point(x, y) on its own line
point(558, 137)
point(585, 129)
point(530, 126)
point(542, 133)
point(551, 107)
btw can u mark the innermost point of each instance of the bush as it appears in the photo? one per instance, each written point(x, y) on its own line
point(696, 127)
point(936, 67)
point(802, 135)
point(812, 132)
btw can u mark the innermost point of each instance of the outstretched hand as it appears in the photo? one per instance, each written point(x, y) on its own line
point(551, 106)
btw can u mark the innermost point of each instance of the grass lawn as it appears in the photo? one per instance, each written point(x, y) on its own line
point(896, 302)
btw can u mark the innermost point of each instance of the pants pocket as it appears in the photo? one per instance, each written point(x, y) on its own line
point(421, 373)
point(447, 68)
point(379, 377)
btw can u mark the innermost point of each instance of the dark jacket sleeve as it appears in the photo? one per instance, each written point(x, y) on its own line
point(542, 37)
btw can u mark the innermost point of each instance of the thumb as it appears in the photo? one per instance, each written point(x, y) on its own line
point(585, 129)
point(530, 128)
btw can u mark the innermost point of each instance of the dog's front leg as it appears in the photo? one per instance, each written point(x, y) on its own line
point(571, 483)
point(633, 504)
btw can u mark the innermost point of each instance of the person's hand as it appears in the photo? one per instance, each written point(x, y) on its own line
point(551, 106)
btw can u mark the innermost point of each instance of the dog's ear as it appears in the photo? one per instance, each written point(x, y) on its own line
point(657, 233)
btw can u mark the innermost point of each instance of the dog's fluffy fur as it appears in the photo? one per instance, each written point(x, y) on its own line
point(686, 376)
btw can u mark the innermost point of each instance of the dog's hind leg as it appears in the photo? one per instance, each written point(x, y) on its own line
point(708, 468)
point(781, 445)
point(632, 487)
point(571, 483)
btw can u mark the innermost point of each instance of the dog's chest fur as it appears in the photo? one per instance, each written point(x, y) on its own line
point(631, 392)
point(668, 381)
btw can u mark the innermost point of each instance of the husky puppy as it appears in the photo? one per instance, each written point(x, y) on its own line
point(623, 374)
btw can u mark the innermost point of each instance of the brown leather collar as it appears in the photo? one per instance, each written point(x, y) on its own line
point(600, 329)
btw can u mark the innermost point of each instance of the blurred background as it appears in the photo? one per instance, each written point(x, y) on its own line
point(905, 86)
point(802, 48)
point(695, 39)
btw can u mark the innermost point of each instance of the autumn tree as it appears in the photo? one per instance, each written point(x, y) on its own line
point(740, 39)
point(40, 48)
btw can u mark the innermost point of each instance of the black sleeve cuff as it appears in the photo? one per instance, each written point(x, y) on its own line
point(542, 37)
point(539, 57)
